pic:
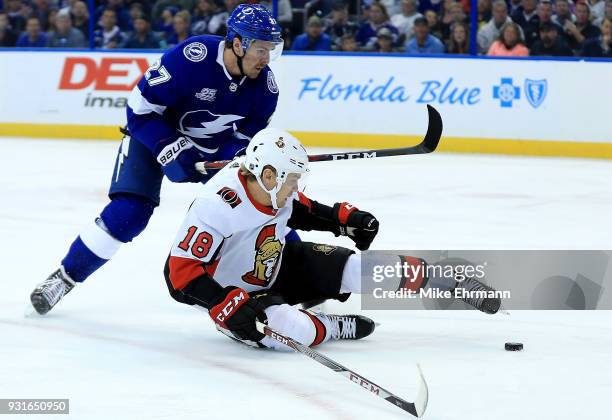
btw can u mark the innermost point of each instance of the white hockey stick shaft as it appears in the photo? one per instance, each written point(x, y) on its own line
point(416, 408)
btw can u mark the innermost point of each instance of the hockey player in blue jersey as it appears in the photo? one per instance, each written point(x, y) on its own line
point(202, 101)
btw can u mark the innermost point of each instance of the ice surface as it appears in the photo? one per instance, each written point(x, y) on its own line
point(119, 347)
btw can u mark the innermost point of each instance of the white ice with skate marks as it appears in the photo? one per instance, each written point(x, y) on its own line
point(119, 347)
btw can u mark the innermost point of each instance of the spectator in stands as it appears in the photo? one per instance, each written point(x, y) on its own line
point(41, 10)
point(378, 18)
point(425, 5)
point(513, 5)
point(51, 20)
point(285, 14)
point(423, 42)
point(404, 21)
point(65, 36)
point(602, 45)
point(313, 38)
point(607, 14)
point(563, 13)
point(182, 28)
point(527, 18)
point(458, 42)
point(545, 14)
point(454, 13)
point(583, 29)
point(202, 15)
point(80, 17)
point(217, 24)
point(8, 37)
point(348, 43)
point(485, 14)
point(337, 24)
point(490, 32)
point(109, 36)
point(165, 24)
point(550, 43)
point(161, 5)
point(142, 37)
point(121, 11)
point(33, 35)
point(15, 13)
point(433, 22)
point(597, 8)
point(393, 6)
point(384, 41)
point(136, 11)
point(510, 43)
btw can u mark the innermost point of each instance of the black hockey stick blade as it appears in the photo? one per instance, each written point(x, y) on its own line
point(416, 408)
point(428, 145)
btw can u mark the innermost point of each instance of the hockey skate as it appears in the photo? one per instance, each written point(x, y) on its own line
point(489, 305)
point(48, 293)
point(349, 327)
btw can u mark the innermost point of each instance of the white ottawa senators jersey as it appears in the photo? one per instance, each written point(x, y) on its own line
point(239, 240)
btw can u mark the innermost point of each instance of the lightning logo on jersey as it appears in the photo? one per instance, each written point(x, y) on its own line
point(204, 124)
point(123, 154)
point(267, 254)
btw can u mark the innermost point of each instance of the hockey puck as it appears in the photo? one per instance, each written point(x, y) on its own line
point(514, 346)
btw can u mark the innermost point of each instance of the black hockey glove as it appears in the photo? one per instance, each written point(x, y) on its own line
point(358, 225)
point(234, 310)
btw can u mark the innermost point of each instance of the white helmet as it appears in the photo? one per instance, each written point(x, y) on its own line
point(279, 149)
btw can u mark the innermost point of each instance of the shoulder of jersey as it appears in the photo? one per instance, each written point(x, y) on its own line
point(222, 189)
point(202, 48)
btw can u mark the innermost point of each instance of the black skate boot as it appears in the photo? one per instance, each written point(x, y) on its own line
point(489, 305)
point(349, 327)
point(49, 292)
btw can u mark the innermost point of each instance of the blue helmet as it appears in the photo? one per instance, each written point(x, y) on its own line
point(253, 22)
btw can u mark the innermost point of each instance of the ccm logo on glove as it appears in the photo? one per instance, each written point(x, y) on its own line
point(233, 301)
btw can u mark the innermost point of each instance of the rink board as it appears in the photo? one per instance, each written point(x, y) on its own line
point(530, 107)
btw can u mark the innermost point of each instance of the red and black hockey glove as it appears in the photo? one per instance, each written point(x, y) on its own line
point(358, 225)
point(234, 310)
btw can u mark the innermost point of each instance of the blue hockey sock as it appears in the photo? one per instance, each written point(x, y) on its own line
point(80, 261)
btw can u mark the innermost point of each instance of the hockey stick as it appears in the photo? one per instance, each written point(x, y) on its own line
point(428, 145)
point(416, 408)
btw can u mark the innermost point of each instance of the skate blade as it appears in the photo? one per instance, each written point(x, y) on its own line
point(30, 312)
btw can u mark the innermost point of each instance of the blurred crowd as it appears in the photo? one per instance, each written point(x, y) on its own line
point(505, 28)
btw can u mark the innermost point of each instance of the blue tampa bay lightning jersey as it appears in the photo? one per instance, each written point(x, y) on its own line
point(190, 92)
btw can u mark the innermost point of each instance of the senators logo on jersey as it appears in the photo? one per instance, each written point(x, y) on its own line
point(229, 196)
point(267, 254)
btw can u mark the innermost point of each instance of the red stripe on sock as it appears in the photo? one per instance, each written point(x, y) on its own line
point(321, 331)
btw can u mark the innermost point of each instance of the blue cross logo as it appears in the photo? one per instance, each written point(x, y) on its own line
point(506, 92)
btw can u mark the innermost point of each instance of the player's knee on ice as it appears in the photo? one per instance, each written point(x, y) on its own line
point(290, 320)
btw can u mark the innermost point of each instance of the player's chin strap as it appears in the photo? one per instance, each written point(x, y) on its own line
point(273, 192)
point(239, 58)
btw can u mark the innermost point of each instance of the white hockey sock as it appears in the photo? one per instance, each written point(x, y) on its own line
point(99, 241)
point(351, 275)
point(302, 326)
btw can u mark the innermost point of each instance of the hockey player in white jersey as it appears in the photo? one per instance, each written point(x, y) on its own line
point(230, 256)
